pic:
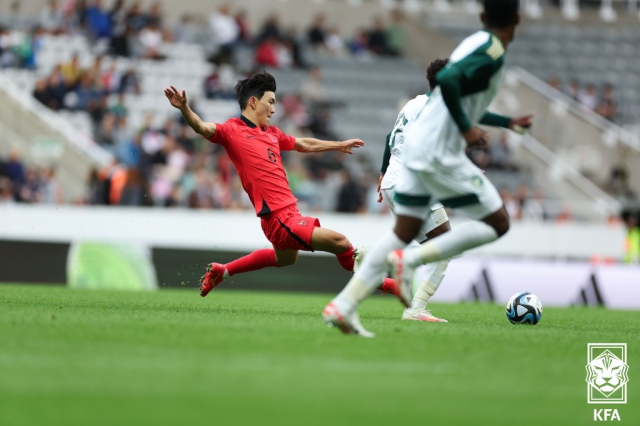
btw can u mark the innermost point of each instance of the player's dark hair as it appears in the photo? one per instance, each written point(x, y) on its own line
point(255, 85)
point(500, 13)
point(433, 69)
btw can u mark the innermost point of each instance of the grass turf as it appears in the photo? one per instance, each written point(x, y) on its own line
point(72, 357)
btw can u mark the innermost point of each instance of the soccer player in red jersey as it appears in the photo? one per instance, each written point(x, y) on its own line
point(254, 148)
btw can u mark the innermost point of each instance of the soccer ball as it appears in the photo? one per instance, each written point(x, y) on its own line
point(524, 308)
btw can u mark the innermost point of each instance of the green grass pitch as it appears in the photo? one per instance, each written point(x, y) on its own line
point(79, 357)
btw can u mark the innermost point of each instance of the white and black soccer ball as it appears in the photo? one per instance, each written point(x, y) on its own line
point(524, 308)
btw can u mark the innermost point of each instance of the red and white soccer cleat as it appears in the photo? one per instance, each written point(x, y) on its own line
point(211, 278)
point(420, 315)
point(347, 323)
point(388, 286)
point(402, 275)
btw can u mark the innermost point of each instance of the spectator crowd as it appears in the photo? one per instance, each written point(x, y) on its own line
point(118, 30)
point(602, 102)
point(169, 165)
point(19, 183)
point(128, 30)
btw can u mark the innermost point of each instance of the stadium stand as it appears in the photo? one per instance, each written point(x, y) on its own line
point(589, 55)
point(361, 87)
point(185, 66)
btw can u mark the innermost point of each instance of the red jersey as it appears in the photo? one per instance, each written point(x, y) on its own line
point(256, 155)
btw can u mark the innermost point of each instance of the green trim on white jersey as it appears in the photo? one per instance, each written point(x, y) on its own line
point(396, 139)
point(466, 87)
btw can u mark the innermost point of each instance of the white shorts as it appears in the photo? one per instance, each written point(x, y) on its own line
point(436, 217)
point(464, 188)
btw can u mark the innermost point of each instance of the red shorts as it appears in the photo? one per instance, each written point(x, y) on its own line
point(287, 229)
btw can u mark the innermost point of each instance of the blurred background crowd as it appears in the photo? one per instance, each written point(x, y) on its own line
point(600, 100)
point(168, 165)
point(161, 162)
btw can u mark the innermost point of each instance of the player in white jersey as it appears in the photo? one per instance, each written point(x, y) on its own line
point(435, 168)
point(436, 223)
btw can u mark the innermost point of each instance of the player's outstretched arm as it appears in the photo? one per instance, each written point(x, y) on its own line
point(316, 145)
point(522, 123)
point(179, 100)
point(517, 124)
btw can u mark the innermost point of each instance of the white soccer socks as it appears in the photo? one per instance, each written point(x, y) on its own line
point(370, 273)
point(438, 251)
point(460, 239)
point(433, 276)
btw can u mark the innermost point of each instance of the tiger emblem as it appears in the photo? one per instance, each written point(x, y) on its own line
point(607, 373)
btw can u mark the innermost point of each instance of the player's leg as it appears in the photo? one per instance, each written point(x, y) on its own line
point(464, 187)
point(259, 259)
point(280, 229)
point(388, 286)
point(436, 224)
point(464, 237)
point(428, 227)
point(440, 229)
point(324, 239)
point(472, 193)
point(373, 269)
point(341, 311)
point(499, 221)
point(411, 203)
point(330, 241)
point(327, 240)
point(433, 274)
point(409, 221)
point(285, 257)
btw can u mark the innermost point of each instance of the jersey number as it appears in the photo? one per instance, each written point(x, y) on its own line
point(272, 155)
point(401, 119)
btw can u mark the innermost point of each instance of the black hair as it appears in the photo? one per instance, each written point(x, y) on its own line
point(255, 85)
point(500, 13)
point(433, 69)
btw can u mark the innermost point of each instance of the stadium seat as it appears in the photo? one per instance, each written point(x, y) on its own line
point(589, 53)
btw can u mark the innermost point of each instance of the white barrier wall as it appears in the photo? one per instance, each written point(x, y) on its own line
point(461, 275)
point(555, 283)
point(619, 286)
point(546, 259)
point(559, 283)
point(231, 230)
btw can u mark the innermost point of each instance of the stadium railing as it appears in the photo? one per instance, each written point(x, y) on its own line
point(583, 196)
point(582, 138)
point(544, 151)
point(44, 137)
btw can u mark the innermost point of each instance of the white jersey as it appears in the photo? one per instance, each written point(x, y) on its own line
point(396, 141)
point(432, 141)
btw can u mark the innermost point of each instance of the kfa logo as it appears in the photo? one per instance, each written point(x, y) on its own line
point(607, 373)
point(605, 415)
